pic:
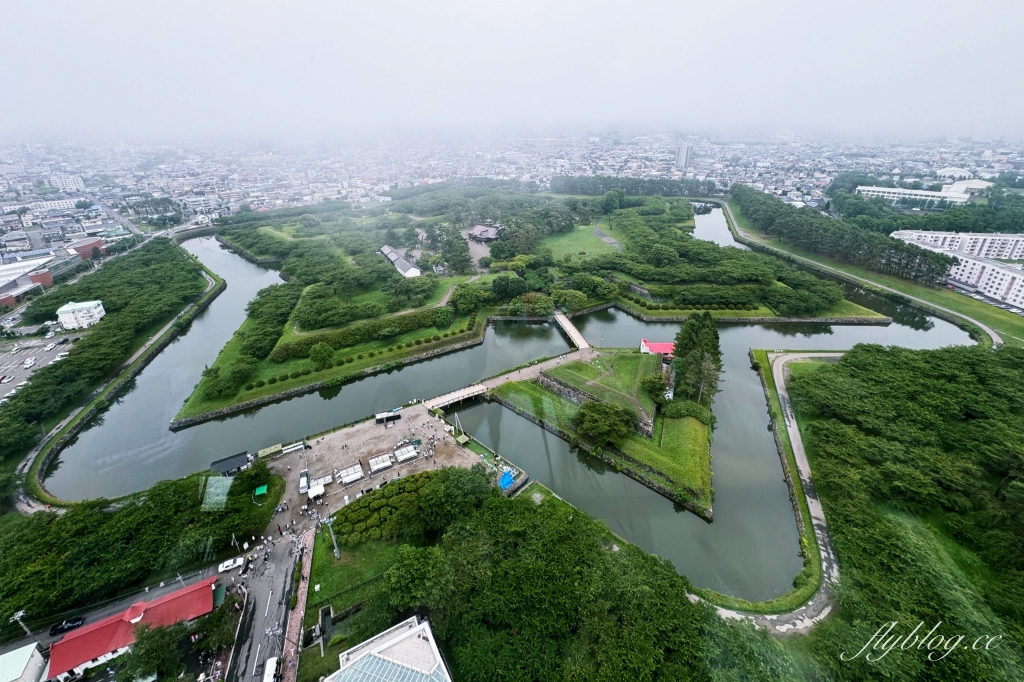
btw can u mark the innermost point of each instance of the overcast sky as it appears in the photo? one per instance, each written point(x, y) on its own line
point(161, 70)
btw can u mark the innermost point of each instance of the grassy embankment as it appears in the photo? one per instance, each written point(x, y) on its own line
point(1008, 325)
point(680, 451)
point(376, 353)
point(614, 377)
point(807, 582)
point(108, 394)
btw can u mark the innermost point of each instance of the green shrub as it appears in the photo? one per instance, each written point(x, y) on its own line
point(436, 337)
point(305, 371)
point(248, 387)
point(348, 359)
point(360, 356)
point(755, 307)
point(418, 341)
point(272, 380)
point(283, 377)
point(261, 383)
point(391, 349)
point(370, 354)
point(295, 374)
point(329, 363)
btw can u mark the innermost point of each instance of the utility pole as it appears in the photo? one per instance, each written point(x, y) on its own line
point(17, 618)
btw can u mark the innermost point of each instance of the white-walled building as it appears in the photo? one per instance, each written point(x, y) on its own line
point(402, 265)
point(23, 665)
point(986, 245)
point(67, 183)
point(897, 193)
point(1001, 281)
point(80, 315)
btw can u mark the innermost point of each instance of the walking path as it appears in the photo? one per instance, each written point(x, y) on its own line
point(570, 329)
point(820, 605)
point(997, 340)
point(28, 506)
point(293, 631)
point(583, 351)
point(603, 236)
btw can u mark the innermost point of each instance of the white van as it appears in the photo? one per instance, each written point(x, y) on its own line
point(270, 670)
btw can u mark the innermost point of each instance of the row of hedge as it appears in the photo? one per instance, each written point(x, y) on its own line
point(295, 374)
point(651, 305)
point(361, 333)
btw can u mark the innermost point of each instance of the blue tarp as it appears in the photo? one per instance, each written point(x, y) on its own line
point(506, 480)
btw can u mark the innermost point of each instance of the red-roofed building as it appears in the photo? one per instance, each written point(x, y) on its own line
point(103, 640)
point(655, 347)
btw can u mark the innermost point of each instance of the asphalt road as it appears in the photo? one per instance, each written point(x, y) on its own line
point(261, 633)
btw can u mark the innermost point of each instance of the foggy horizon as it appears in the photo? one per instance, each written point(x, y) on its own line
point(258, 70)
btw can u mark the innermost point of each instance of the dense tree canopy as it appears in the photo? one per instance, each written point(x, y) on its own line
point(916, 455)
point(52, 562)
point(138, 290)
point(844, 240)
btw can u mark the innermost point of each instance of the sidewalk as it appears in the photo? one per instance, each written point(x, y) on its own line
point(293, 631)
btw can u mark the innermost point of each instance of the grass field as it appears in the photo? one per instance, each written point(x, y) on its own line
point(374, 354)
point(579, 239)
point(614, 377)
point(683, 460)
point(1009, 326)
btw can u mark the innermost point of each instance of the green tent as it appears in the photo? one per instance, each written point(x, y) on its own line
point(262, 490)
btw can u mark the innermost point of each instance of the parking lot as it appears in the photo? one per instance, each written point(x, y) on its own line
point(15, 353)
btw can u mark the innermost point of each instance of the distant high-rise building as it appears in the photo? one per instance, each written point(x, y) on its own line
point(683, 153)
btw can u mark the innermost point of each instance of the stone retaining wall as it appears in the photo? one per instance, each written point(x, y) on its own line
point(787, 474)
point(268, 260)
point(883, 321)
point(84, 418)
point(571, 393)
point(178, 424)
point(185, 235)
point(620, 461)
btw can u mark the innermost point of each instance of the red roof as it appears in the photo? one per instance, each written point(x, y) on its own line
point(116, 632)
point(659, 347)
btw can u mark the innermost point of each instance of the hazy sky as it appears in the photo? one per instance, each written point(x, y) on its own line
point(149, 69)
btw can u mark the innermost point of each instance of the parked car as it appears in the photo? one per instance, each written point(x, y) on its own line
point(231, 564)
point(50, 335)
point(29, 362)
point(7, 379)
point(66, 625)
point(23, 384)
point(303, 482)
point(49, 347)
point(62, 341)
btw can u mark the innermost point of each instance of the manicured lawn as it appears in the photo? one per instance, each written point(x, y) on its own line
point(684, 458)
point(614, 376)
point(804, 367)
point(1010, 326)
point(575, 241)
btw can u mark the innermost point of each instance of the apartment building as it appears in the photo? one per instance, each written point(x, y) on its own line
point(1005, 246)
